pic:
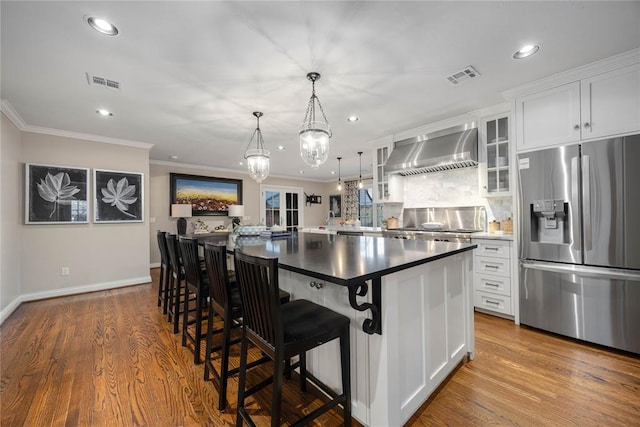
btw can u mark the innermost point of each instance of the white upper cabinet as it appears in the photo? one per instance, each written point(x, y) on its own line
point(388, 188)
point(596, 107)
point(611, 103)
point(495, 162)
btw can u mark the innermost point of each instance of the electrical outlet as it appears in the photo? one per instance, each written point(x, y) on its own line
point(64, 271)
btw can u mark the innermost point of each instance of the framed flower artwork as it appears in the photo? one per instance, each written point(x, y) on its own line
point(118, 196)
point(56, 194)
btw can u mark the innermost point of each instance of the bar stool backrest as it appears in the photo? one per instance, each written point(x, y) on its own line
point(162, 245)
point(215, 258)
point(190, 260)
point(257, 280)
point(174, 253)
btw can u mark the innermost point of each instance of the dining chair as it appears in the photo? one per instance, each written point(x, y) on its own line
point(284, 331)
point(197, 284)
point(224, 300)
point(165, 272)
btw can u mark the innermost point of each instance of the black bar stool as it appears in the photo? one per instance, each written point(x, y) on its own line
point(165, 272)
point(224, 300)
point(283, 331)
point(198, 285)
point(176, 284)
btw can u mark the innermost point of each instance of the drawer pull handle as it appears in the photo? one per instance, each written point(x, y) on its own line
point(496, 303)
point(495, 267)
point(316, 285)
point(495, 285)
point(489, 248)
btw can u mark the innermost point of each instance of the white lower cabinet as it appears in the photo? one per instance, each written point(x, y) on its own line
point(492, 278)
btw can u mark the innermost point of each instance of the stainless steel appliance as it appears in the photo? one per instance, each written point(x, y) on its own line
point(454, 224)
point(580, 241)
point(452, 148)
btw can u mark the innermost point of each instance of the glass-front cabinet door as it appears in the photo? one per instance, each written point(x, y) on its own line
point(496, 145)
point(281, 206)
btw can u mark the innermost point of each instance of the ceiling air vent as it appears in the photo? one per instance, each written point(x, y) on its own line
point(102, 82)
point(462, 75)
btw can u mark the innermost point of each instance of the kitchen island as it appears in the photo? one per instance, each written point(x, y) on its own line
point(411, 308)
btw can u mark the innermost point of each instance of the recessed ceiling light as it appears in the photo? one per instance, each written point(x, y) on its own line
point(526, 51)
point(301, 172)
point(333, 172)
point(240, 163)
point(102, 26)
point(174, 157)
point(103, 112)
point(352, 119)
point(281, 147)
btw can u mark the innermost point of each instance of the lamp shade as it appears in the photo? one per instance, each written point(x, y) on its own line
point(236, 211)
point(181, 210)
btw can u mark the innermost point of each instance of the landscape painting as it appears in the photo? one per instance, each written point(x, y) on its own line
point(207, 195)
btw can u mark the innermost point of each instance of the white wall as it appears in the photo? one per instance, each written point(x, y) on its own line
point(10, 218)
point(159, 194)
point(99, 256)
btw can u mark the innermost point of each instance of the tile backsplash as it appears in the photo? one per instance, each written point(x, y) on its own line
point(450, 188)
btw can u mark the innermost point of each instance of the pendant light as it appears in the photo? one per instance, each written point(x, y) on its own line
point(314, 134)
point(339, 179)
point(257, 158)
point(360, 180)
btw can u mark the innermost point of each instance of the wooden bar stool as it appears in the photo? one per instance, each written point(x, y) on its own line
point(224, 300)
point(198, 285)
point(176, 284)
point(165, 272)
point(284, 331)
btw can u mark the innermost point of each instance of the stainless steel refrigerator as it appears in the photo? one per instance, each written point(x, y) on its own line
point(580, 241)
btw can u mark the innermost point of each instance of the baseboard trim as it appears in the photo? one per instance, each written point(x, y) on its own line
point(34, 296)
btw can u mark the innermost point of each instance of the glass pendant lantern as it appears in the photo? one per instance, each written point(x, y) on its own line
point(257, 158)
point(314, 131)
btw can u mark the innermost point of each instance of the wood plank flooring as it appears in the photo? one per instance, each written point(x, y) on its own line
point(110, 358)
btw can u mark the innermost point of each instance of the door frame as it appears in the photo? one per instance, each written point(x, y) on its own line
point(283, 189)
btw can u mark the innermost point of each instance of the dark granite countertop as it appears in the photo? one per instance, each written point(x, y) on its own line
point(345, 260)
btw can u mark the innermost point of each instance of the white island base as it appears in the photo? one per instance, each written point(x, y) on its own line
point(427, 330)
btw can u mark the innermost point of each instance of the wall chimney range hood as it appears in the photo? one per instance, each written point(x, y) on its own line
point(449, 149)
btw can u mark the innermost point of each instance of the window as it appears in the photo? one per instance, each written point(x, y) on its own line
point(365, 206)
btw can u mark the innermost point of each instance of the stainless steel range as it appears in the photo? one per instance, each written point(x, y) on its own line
point(454, 224)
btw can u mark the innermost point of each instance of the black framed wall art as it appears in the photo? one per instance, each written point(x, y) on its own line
point(207, 195)
point(118, 196)
point(56, 194)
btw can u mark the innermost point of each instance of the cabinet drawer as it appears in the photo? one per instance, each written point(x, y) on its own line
point(493, 248)
point(493, 284)
point(496, 266)
point(492, 302)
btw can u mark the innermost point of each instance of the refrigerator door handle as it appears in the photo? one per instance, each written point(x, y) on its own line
point(575, 204)
point(581, 270)
point(586, 203)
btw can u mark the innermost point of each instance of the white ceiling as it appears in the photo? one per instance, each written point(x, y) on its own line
point(192, 73)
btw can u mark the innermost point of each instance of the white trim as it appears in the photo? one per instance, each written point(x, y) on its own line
point(235, 171)
point(10, 308)
point(34, 296)
point(11, 113)
point(589, 70)
point(155, 265)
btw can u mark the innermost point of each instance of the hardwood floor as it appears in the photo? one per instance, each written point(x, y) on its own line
point(110, 358)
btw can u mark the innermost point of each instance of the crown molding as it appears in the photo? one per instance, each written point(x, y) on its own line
point(585, 71)
point(15, 118)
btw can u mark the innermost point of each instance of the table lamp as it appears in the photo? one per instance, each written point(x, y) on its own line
point(181, 211)
point(236, 212)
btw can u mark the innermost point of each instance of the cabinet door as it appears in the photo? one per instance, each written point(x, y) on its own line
point(550, 117)
point(495, 169)
point(611, 103)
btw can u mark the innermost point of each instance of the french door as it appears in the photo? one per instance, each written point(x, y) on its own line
point(281, 206)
